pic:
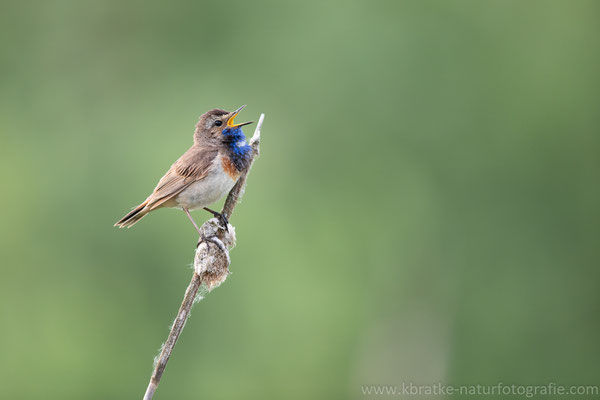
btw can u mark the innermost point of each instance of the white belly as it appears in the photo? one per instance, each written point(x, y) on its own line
point(207, 190)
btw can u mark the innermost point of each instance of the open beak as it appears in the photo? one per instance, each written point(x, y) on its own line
point(232, 124)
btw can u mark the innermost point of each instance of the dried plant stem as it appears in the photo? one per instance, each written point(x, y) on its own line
point(167, 349)
point(210, 266)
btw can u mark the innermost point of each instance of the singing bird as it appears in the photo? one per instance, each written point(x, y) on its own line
point(204, 173)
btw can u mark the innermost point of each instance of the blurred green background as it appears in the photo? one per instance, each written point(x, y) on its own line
point(425, 208)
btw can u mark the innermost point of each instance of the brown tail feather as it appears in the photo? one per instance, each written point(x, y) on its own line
point(133, 216)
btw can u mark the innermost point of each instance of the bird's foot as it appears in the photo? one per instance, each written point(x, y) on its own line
point(204, 239)
point(214, 240)
point(223, 220)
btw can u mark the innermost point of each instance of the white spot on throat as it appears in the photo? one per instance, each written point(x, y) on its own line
point(241, 143)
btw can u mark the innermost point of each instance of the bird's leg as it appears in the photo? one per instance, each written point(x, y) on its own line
point(202, 237)
point(222, 218)
point(187, 212)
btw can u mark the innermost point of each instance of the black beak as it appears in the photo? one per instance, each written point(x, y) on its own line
point(230, 122)
point(244, 123)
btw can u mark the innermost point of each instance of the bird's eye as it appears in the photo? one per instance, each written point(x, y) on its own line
point(218, 123)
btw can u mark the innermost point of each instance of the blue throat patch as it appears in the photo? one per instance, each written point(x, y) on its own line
point(239, 151)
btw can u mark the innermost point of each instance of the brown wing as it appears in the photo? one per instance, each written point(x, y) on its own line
point(192, 166)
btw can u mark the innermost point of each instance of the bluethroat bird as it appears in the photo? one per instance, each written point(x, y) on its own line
point(204, 173)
